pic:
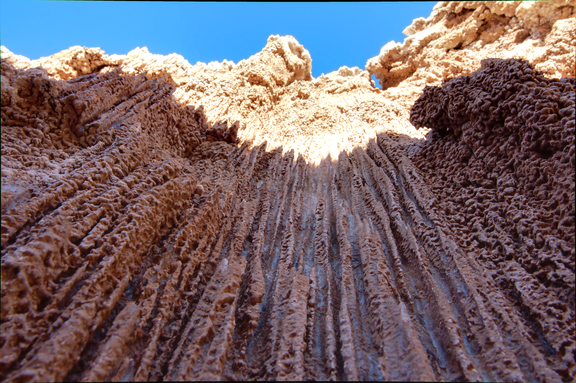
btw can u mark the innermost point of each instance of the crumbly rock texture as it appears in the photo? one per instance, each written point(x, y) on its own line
point(222, 221)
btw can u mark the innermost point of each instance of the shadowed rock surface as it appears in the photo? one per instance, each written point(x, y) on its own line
point(145, 238)
point(508, 192)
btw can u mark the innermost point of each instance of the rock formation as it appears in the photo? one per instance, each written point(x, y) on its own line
point(457, 35)
point(168, 221)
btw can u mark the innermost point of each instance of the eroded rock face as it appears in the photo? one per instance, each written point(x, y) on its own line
point(314, 117)
point(93, 158)
point(457, 35)
point(508, 191)
point(162, 220)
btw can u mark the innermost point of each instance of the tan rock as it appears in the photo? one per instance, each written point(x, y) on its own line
point(457, 35)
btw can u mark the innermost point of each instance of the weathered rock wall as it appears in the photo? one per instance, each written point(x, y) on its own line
point(272, 94)
point(508, 191)
point(320, 237)
point(342, 110)
point(458, 35)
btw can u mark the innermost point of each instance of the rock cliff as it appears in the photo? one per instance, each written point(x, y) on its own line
point(222, 221)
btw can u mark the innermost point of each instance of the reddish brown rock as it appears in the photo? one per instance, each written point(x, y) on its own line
point(144, 238)
point(501, 160)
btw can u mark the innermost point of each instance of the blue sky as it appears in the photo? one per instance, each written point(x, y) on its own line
point(335, 34)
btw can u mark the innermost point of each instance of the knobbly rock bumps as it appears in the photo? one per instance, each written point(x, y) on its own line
point(510, 134)
point(162, 220)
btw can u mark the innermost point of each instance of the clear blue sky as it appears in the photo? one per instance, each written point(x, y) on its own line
point(335, 34)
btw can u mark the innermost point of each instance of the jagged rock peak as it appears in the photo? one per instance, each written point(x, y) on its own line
point(278, 101)
point(282, 61)
point(457, 35)
point(272, 92)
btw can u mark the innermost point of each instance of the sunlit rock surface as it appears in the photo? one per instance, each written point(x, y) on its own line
point(459, 34)
point(168, 221)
